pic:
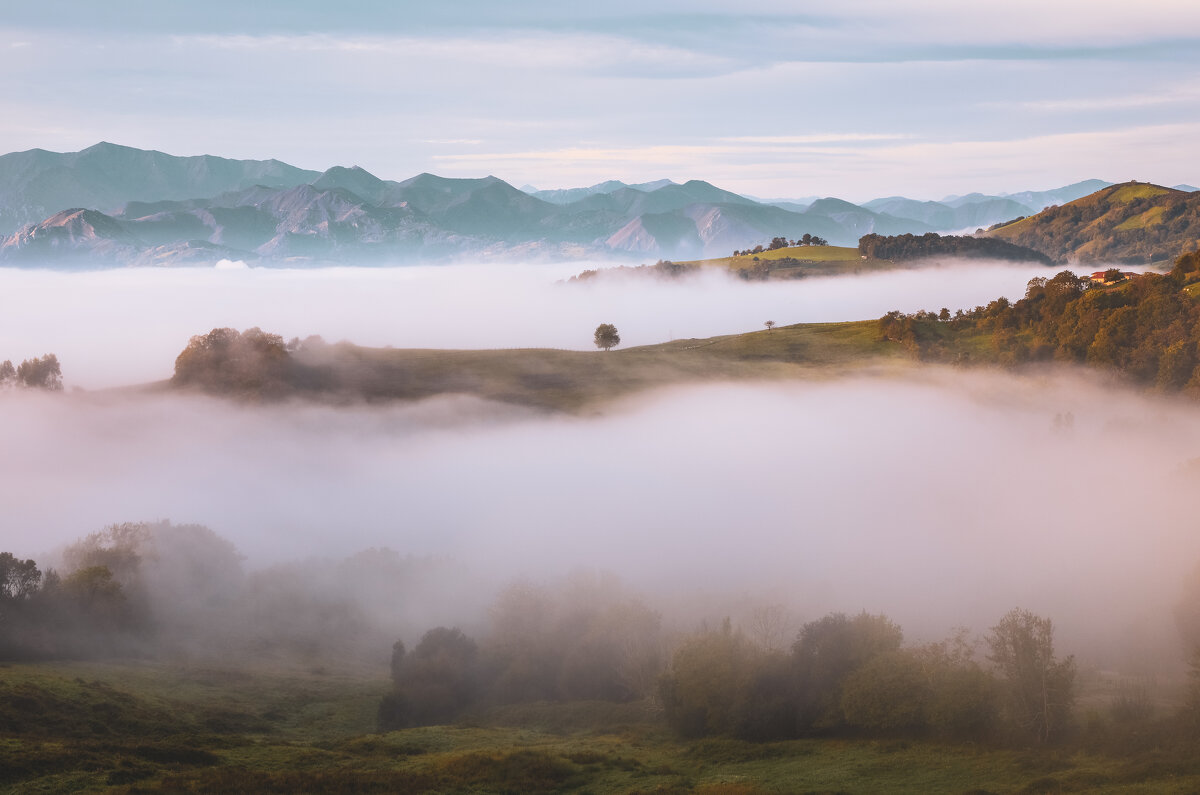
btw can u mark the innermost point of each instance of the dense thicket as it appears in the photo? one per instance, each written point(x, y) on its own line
point(226, 361)
point(1145, 328)
point(902, 248)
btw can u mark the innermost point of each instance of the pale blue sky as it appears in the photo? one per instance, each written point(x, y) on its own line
point(860, 99)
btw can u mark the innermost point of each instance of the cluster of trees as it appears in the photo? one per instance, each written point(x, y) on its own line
point(225, 361)
point(782, 242)
point(781, 268)
point(900, 248)
point(852, 674)
point(585, 641)
point(663, 267)
point(161, 588)
point(114, 591)
point(843, 674)
point(1145, 328)
point(42, 372)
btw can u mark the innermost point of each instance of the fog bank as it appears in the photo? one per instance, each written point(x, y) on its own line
point(116, 327)
point(941, 498)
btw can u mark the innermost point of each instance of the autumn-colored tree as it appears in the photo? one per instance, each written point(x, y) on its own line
point(251, 363)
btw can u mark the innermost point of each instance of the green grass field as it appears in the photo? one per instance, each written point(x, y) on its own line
point(1142, 190)
point(815, 260)
point(140, 727)
point(572, 380)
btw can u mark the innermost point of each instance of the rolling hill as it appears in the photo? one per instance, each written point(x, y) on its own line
point(1133, 222)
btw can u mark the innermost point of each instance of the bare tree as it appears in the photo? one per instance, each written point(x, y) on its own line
point(770, 324)
point(770, 627)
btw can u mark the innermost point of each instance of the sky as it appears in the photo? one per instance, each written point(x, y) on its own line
point(858, 99)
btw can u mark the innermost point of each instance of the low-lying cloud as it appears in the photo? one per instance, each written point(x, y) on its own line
point(941, 497)
point(112, 328)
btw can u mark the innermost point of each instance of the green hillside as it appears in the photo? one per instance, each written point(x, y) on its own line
point(1146, 328)
point(796, 261)
point(539, 377)
point(1132, 223)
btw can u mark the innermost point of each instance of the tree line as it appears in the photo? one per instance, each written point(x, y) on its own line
point(151, 588)
point(42, 372)
point(843, 675)
point(1145, 328)
point(145, 589)
point(782, 242)
point(902, 248)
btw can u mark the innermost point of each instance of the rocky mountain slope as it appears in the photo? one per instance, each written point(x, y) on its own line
point(133, 207)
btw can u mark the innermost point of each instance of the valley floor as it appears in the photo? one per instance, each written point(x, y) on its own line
point(139, 727)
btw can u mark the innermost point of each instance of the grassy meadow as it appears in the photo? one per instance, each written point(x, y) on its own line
point(814, 260)
point(136, 726)
point(562, 380)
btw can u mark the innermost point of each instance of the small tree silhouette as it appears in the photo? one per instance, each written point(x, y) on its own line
point(769, 324)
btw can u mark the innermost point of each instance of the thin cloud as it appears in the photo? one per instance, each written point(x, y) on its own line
point(451, 141)
point(815, 139)
point(571, 52)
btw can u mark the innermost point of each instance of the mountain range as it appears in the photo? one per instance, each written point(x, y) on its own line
point(111, 205)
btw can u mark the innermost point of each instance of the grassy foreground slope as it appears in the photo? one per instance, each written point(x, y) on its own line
point(141, 727)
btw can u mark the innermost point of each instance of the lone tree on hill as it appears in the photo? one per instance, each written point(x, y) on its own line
point(770, 324)
point(607, 336)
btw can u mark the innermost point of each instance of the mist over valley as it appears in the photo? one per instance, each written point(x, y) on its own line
point(937, 496)
point(138, 321)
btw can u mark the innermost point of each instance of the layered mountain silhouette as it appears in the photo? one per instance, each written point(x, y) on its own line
point(112, 205)
point(37, 184)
